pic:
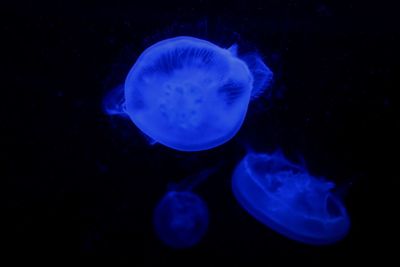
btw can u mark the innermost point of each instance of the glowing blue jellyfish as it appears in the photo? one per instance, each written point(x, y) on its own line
point(181, 217)
point(285, 197)
point(189, 94)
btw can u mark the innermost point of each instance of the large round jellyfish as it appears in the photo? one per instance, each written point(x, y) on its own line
point(190, 94)
point(181, 217)
point(285, 197)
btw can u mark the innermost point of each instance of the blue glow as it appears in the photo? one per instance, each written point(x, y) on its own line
point(114, 102)
point(189, 94)
point(285, 197)
point(262, 75)
point(181, 219)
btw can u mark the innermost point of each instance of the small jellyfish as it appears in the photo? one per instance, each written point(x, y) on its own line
point(181, 217)
point(286, 198)
point(189, 94)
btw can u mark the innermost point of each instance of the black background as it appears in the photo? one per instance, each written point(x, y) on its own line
point(82, 186)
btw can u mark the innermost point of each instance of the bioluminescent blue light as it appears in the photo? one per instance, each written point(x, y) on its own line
point(286, 198)
point(190, 94)
point(181, 219)
point(262, 75)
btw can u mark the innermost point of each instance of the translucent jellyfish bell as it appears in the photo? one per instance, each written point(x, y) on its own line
point(181, 217)
point(285, 197)
point(189, 94)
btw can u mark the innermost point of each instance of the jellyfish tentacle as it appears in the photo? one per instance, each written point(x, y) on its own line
point(114, 102)
point(191, 182)
point(262, 75)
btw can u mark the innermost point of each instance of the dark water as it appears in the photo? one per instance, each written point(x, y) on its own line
point(81, 186)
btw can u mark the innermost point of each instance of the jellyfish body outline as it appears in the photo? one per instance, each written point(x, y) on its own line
point(202, 120)
point(181, 217)
point(188, 94)
point(298, 206)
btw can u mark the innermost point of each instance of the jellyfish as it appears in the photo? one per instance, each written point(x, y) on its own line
point(189, 94)
point(285, 197)
point(181, 217)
